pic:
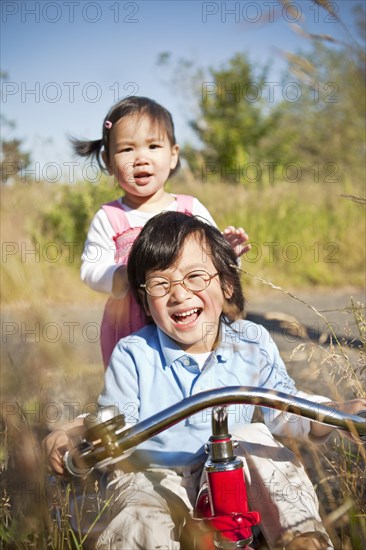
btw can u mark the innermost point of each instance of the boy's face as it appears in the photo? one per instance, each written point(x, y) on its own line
point(191, 319)
point(140, 157)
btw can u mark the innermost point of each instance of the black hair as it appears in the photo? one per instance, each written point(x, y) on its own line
point(126, 107)
point(160, 244)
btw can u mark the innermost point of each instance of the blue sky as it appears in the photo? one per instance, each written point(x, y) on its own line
point(67, 62)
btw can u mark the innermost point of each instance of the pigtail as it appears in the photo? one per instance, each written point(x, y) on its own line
point(89, 149)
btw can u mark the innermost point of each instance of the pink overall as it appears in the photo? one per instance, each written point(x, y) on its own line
point(122, 316)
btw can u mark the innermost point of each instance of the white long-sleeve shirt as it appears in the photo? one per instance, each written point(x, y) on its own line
point(98, 263)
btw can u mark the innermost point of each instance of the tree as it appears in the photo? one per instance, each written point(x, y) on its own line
point(245, 135)
point(235, 124)
point(328, 123)
point(12, 158)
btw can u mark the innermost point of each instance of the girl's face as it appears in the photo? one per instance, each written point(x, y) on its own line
point(140, 158)
point(190, 318)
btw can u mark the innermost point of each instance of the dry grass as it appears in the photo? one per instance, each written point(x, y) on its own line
point(304, 234)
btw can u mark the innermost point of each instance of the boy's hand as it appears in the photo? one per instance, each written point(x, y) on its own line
point(54, 447)
point(353, 406)
point(237, 239)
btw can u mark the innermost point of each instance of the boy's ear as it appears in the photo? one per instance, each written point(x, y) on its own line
point(143, 297)
point(228, 290)
point(106, 162)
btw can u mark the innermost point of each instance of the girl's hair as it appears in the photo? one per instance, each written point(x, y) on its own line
point(160, 244)
point(132, 105)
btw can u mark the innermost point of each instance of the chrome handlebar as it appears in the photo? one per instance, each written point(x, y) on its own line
point(109, 438)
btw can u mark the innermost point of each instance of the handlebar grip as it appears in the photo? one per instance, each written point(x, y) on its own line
point(99, 441)
point(362, 414)
point(71, 459)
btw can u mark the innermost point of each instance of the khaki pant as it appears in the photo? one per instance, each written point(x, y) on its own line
point(149, 509)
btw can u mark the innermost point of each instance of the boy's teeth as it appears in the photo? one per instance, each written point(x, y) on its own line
point(186, 313)
point(186, 317)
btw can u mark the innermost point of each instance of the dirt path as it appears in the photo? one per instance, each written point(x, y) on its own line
point(303, 330)
point(334, 305)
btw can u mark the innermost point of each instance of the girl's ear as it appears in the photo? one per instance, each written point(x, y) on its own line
point(175, 156)
point(106, 162)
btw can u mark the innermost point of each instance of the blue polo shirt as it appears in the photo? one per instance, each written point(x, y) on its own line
point(149, 372)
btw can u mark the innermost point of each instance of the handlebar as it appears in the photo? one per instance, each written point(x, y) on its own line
point(112, 440)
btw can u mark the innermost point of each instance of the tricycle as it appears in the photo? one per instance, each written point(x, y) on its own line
point(221, 516)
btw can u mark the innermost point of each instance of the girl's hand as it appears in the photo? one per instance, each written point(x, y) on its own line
point(237, 239)
point(120, 282)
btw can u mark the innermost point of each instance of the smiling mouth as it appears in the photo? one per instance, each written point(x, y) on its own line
point(187, 317)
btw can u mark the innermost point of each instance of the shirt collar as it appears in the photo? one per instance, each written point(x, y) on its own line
point(228, 337)
point(171, 350)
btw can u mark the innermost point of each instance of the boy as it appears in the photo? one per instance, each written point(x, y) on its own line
point(184, 274)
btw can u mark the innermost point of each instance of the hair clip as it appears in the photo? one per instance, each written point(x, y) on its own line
point(108, 124)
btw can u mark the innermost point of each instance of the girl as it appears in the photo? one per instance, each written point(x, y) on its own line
point(183, 273)
point(138, 147)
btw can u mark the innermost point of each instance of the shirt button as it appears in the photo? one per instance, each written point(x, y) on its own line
point(186, 362)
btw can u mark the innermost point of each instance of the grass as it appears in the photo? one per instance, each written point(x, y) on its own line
point(50, 356)
point(303, 234)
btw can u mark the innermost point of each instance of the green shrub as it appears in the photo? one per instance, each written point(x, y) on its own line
point(68, 219)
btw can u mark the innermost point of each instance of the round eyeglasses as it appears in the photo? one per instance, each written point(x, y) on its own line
point(194, 281)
